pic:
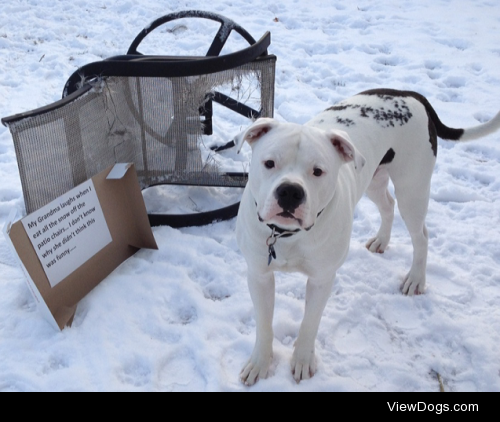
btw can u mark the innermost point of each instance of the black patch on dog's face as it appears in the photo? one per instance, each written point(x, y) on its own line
point(388, 157)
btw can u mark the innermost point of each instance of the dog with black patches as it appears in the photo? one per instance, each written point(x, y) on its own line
point(297, 210)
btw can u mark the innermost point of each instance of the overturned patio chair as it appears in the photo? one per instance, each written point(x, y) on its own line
point(153, 111)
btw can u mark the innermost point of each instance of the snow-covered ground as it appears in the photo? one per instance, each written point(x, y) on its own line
point(181, 319)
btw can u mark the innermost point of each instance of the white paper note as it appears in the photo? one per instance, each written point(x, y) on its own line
point(68, 232)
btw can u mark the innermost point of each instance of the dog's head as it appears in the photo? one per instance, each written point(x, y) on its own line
point(294, 170)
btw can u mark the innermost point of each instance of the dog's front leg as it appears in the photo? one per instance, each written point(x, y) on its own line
point(304, 359)
point(262, 291)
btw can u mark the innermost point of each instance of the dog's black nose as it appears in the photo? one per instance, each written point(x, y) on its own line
point(290, 196)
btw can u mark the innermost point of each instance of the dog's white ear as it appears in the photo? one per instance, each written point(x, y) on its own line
point(348, 152)
point(256, 131)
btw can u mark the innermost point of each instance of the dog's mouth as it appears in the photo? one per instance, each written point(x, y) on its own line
point(289, 215)
point(285, 218)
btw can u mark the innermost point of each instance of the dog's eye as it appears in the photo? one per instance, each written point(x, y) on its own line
point(270, 164)
point(318, 172)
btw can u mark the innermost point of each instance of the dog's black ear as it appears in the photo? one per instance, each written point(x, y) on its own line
point(348, 152)
point(258, 129)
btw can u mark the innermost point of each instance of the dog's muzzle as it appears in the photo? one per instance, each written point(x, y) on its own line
point(290, 196)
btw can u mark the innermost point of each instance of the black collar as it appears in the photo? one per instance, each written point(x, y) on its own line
point(282, 232)
point(279, 233)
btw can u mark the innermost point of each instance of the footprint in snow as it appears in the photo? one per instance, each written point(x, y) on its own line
point(137, 372)
point(180, 373)
point(182, 315)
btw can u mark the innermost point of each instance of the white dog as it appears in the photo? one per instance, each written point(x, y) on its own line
point(297, 211)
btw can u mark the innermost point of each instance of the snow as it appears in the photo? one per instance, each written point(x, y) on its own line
point(181, 318)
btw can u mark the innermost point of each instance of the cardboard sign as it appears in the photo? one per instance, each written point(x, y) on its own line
point(69, 246)
point(68, 232)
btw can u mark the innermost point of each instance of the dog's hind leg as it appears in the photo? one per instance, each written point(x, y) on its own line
point(379, 194)
point(412, 193)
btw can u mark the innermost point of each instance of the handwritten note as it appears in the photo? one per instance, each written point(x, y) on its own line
point(68, 232)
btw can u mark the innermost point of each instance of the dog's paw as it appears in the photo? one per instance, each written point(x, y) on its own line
point(377, 244)
point(256, 369)
point(413, 286)
point(303, 365)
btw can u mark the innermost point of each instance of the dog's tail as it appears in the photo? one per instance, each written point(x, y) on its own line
point(481, 130)
point(460, 135)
